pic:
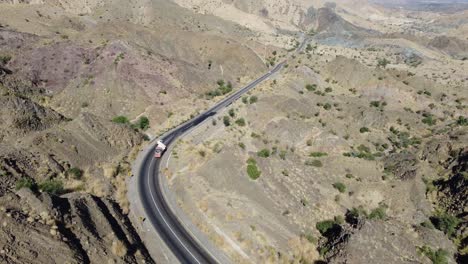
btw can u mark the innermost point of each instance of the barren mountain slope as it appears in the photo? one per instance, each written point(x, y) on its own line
point(354, 153)
point(68, 70)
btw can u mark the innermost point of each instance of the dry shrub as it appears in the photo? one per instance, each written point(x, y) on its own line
point(118, 248)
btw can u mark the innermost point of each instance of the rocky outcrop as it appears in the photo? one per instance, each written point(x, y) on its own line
point(22, 114)
point(450, 45)
point(402, 165)
point(77, 228)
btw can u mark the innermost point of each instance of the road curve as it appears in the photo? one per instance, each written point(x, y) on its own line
point(185, 247)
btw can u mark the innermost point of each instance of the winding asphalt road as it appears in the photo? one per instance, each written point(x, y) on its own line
point(162, 218)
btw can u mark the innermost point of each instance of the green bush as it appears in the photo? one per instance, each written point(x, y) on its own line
point(25, 183)
point(282, 154)
point(143, 123)
point(382, 62)
point(51, 186)
point(437, 257)
point(445, 222)
point(358, 212)
point(4, 59)
point(253, 99)
point(314, 163)
point(252, 169)
point(324, 226)
point(226, 121)
point(318, 154)
point(378, 213)
point(311, 87)
point(264, 153)
point(429, 120)
point(364, 130)
point(362, 153)
point(232, 113)
point(120, 120)
point(240, 122)
point(327, 106)
point(462, 121)
point(75, 172)
point(222, 89)
point(340, 187)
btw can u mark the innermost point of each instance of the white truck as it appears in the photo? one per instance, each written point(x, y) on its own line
point(160, 148)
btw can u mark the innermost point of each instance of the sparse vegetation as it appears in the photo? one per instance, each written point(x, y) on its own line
point(75, 173)
point(240, 122)
point(120, 120)
point(4, 59)
point(445, 222)
point(362, 152)
point(143, 123)
point(326, 226)
point(314, 163)
point(341, 187)
point(52, 186)
point(327, 106)
point(378, 213)
point(232, 113)
point(222, 89)
point(26, 183)
point(429, 119)
point(462, 121)
point(437, 257)
point(318, 154)
point(117, 59)
point(402, 139)
point(226, 121)
point(382, 62)
point(253, 99)
point(264, 153)
point(364, 130)
point(311, 87)
point(282, 154)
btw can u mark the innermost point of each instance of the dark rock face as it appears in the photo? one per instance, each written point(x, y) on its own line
point(77, 228)
point(402, 165)
point(25, 115)
point(453, 46)
point(454, 191)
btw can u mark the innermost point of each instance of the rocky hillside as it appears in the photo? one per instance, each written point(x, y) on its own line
point(354, 153)
point(83, 85)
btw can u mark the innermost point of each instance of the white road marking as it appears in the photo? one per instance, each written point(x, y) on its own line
point(164, 219)
point(168, 158)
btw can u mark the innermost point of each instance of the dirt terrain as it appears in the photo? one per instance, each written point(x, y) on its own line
point(354, 153)
point(76, 78)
